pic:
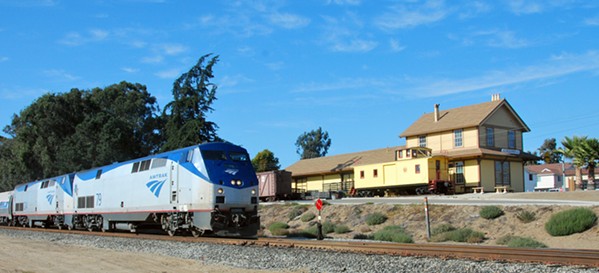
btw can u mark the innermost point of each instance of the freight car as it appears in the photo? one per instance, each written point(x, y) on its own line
point(206, 188)
point(275, 185)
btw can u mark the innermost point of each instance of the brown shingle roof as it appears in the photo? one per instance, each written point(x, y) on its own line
point(474, 152)
point(461, 117)
point(342, 162)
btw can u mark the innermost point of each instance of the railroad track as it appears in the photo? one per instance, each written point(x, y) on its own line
point(579, 257)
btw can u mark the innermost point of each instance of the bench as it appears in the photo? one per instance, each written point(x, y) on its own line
point(478, 190)
point(501, 189)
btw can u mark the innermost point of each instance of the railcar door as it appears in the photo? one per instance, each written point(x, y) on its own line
point(174, 178)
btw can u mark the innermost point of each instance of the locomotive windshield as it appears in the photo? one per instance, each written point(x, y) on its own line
point(214, 155)
point(222, 155)
point(242, 157)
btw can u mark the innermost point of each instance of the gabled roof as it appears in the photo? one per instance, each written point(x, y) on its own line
point(461, 117)
point(342, 162)
point(478, 152)
point(553, 168)
point(556, 168)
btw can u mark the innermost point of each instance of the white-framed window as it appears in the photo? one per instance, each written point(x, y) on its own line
point(422, 141)
point(511, 139)
point(457, 138)
point(490, 137)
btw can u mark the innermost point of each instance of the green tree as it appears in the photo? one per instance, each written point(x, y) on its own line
point(313, 144)
point(80, 129)
point(265, 161)
point(193, 94)
point(571, 149)
point(549, 152)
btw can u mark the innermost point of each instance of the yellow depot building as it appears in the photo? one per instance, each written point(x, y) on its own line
point(475, 147)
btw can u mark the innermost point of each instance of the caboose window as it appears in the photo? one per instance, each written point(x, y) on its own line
point(242, 157)
point(213, 155)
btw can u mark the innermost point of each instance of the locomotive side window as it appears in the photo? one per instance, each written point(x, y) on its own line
point(189, 157)
point(241, 157)
point(213, 155)
point(135, 167)
point(145, 165)
point(99, 174)
point(158, 163)
point(85, 202)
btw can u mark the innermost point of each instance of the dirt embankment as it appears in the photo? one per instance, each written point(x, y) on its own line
point(412, 218)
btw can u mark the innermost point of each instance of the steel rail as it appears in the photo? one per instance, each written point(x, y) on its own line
point(578, 257)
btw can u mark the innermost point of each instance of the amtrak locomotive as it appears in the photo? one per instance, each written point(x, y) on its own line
point(206, 188)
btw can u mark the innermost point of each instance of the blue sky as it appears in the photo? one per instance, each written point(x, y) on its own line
point(361, 70)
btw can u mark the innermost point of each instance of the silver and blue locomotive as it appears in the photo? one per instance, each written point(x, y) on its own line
point(206, 188)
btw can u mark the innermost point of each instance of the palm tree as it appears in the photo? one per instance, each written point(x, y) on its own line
point(589, 151)
point(571, 147)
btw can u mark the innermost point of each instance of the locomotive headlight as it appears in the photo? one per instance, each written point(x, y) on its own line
point(233, 182)
point(220, 191)
point(239, 183)
point(253, 192)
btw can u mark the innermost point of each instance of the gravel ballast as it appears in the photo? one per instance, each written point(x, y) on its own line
point(279, 259)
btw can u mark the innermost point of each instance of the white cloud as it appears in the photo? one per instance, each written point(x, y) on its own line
point(346, 34)
point(130, 69)
point(152, 59)
point(556, 66)
point(525, 6)
point(344, 2)
point(168, 74)
point(355, 45)
point(506, 39)
point(77, 39)
point(289, 21)
point(473, 9)
point(407, 16)
point(592, 21)
point(396, 46)
point(60, 75)
point(173, 49)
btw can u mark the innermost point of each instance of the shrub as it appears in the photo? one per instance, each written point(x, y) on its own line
point(375, 219)
point(296, 211)
point(463, 235)
point(490, 212)
point(361, 236)
point(308, 217)
point(340, 229)
point(278, 228)
point(307, 233)
point(327, 227)
point(393, 234)
point(442, 228)
point(526, 216)
point(570, 221)
point(520, 242)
